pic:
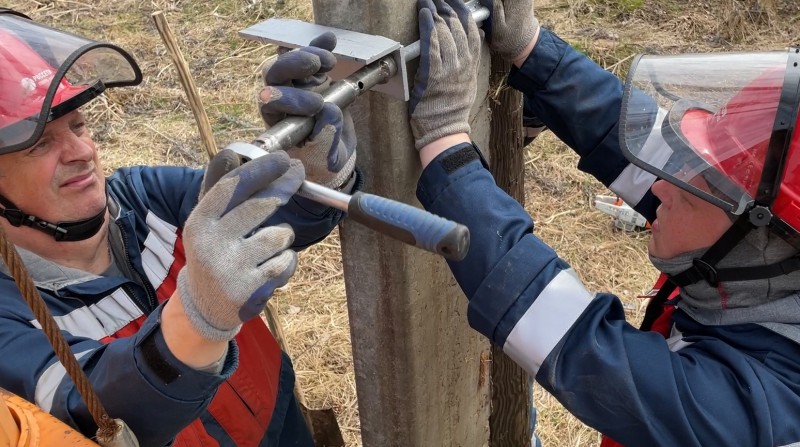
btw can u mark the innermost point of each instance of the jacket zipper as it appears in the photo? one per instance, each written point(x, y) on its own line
point(152, 300)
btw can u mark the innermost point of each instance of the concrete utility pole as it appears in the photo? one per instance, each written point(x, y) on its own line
point(422, 375)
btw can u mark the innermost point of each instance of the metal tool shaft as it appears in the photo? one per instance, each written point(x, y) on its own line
point(326, 196)
point(403, 222)
point(292, 130)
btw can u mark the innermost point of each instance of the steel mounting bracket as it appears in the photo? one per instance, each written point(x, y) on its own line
point(353, 50)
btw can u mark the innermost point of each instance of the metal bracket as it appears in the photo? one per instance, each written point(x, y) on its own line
point(353, 50)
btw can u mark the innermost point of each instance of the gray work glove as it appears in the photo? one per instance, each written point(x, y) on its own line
point(294, 81)
point(233, 265)
point(447, 78)
point(510, 27)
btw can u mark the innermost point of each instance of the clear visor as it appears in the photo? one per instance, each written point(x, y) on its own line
point(46, 73)
point(704, 122)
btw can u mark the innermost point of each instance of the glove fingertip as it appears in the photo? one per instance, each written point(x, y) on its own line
point(329, 115)
point(464, 15)
point(268, 94)
point(426, 4)
point(292, 65)
point(220, 165)
point(336, 159)
point(255, 304)
point(291, 101)
point(427, 34)
point(327, 60)
point(326, 41)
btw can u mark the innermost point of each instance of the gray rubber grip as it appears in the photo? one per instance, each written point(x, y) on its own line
point(411, 225)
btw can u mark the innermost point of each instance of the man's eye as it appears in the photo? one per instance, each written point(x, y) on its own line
point(39, 148)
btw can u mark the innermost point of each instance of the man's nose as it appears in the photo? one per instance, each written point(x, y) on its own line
point(661, 189)
point(75, 148)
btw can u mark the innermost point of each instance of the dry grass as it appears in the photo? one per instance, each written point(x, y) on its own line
point(152, 124)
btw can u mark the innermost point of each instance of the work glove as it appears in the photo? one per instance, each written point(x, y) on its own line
point(446, 81)
point(510, 27)
point(294, 81)
point(233, 264)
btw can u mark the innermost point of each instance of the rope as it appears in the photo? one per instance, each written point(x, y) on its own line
point(106, 427)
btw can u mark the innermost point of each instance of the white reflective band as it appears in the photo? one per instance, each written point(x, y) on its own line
point(675, 341)
point(547, 321)
point(655, 151)
point(101, 319)
point(49, 381)
point(159, 252)
point(634, 182)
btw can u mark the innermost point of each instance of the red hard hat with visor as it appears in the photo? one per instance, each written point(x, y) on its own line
point(729, 118)
point(723, 127)
point(46, 73)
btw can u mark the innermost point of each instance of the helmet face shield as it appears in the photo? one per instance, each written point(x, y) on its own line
point(46, 73)
point(711, 116)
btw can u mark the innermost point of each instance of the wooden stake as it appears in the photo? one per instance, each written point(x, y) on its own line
point(195, 103)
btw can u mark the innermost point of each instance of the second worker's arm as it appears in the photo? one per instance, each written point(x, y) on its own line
point(626, 383)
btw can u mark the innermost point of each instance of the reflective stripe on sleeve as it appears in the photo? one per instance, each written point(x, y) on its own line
point(49, 381)
point(634, 182)
point(547, 321)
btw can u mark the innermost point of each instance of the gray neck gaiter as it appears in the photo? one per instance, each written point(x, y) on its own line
point(760, 247)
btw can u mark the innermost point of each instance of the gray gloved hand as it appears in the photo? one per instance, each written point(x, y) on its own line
point(294, 81)
point(447, 78)
point(510, 27)
point(233, 265)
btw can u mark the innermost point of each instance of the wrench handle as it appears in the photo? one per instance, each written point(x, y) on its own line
point(411, 225)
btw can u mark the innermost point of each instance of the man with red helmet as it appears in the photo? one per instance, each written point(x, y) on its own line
point(707, 147)
point(156, 275)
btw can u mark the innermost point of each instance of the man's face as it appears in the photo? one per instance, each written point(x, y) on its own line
point(684, 222)
point(59, 178)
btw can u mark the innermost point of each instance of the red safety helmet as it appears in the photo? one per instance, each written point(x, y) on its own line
point(25, 79)
point(47, 73)
point(730, 118)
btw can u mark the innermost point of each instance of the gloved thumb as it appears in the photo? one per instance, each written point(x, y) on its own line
point(224, 162)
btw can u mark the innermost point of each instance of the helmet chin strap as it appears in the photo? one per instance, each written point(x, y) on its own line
point(704, 268)
point(74, 231)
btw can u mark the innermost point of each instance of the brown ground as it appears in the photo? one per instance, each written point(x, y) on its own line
point(152, 124)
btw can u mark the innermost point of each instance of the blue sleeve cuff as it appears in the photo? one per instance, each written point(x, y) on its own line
point(169, 375)
point(511, 287)
point(446, 169)
point(456, 185)
point(540, 65)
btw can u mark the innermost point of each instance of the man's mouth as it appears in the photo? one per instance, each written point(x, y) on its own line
point(79, 180)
